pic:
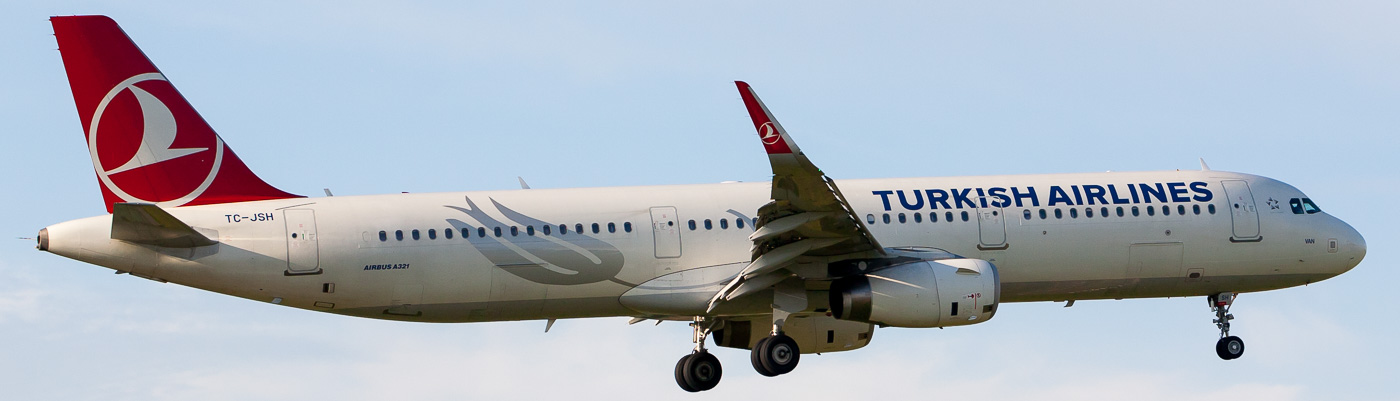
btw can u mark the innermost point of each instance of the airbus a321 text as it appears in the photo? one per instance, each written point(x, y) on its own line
point(799, 265)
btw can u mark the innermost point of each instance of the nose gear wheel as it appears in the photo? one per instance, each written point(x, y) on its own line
point(1228, 347)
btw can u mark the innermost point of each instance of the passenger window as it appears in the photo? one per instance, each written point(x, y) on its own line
point(870, 219)
point(1059, 214)
point(415, 235)
point(578, 228)
point(595, 228)
point(546, 229)
point(1103, 211)
point(738, 223)
point(398, 235)
point(692, 225)
point(948, 217)
point(1088, 212)
point(709, 225)
point(530, 230)
point(447, 232)
point(563, 229)
point(1043, 216)
point(1181, 210)
point(1135, 211)
point(1166, 210)
point(1074, 213)
point(964, 215)
point(514, 231)
point(481, 232)
point(1026, 214)
point(902, 219)
point(383, 236)
point(1210, 208)
point(1196, 209)
point(724, 224)
point(918, 217)
point(627, 226)
point(612, 227)
point(1120, 211)
point(886, 218)
point(432, 233)
point(497, 232)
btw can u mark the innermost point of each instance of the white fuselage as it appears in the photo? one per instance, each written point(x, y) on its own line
point(327, 254)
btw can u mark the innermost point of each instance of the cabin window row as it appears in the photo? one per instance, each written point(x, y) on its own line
point(918, 217)
point(1074, 213)
point(514, 231)
point(722, 223)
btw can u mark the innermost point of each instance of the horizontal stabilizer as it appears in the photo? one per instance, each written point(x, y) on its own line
point(145, 223)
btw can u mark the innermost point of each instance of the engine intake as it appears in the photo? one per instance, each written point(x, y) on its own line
point(939, 293)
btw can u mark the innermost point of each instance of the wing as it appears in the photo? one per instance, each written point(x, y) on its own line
point(807, 219)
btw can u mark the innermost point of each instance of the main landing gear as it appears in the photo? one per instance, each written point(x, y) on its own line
point(700, 370)
point(775, 355)
point(1229, 347)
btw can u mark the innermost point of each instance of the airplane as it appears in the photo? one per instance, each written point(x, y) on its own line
point(802, 264)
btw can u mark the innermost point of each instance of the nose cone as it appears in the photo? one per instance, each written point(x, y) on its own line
point(1353, 247)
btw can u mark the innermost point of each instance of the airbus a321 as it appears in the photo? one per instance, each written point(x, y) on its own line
point(799, 265)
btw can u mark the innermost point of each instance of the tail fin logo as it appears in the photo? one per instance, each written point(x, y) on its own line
point(769, 133)
point(135, 137)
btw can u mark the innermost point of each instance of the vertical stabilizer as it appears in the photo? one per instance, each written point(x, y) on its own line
point(148, 145)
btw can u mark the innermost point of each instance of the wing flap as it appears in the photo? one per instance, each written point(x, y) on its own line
point(145, 223)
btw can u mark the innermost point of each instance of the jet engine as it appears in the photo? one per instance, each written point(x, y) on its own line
point(930, 293)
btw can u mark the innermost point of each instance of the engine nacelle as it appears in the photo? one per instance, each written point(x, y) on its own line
point(937, 293)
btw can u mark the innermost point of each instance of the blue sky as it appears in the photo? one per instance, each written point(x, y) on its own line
point(370, 97)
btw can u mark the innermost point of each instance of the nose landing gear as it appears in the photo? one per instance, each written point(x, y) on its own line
point(1229, 347)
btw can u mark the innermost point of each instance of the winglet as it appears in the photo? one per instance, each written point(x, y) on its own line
point(775, 138)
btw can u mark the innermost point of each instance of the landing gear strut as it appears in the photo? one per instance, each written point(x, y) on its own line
point(700, 370)
point(1229, 347)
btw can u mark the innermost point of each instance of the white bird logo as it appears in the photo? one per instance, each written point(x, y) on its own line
point(769, 133)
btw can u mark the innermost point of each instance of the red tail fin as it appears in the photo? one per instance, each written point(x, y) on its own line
point(147, 143)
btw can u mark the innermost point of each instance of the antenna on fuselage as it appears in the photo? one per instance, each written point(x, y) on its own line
point(523, 185)
point(1204, 167)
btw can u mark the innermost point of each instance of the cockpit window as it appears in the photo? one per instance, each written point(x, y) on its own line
point(1310, 207)
point(1303, 205)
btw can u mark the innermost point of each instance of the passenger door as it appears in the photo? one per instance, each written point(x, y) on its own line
point(1243, 214)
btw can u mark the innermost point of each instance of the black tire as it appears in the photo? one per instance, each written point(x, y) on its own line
point(781, 355)
point(1229, 348)
point(680, 374)
point(702, 371)
point(756, 357)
